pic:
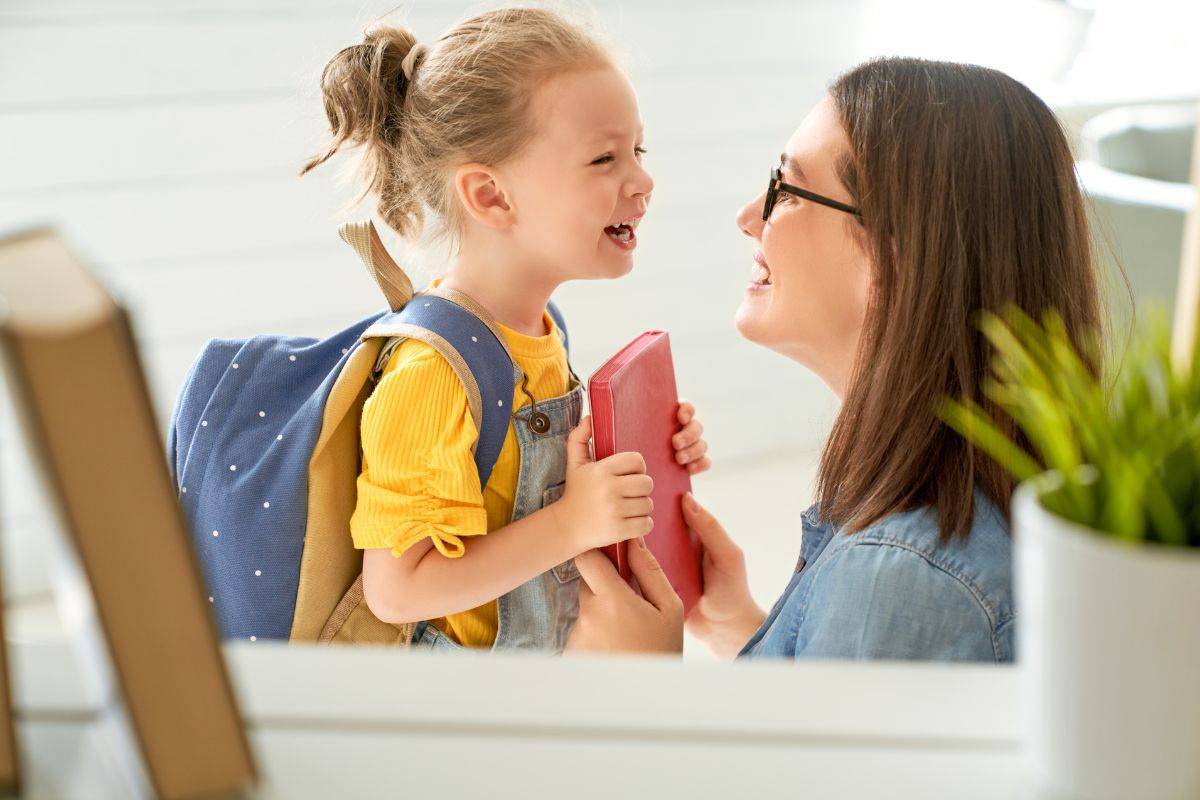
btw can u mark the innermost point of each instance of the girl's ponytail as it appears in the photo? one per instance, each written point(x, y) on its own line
point(364, 88)
point(468, 99)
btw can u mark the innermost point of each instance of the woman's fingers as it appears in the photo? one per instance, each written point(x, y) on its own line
point(652, 580)
point(690, 434)
point(599, 573)
point(714, 538)
point(686, 412)
point(692, 453)
point(690, 448)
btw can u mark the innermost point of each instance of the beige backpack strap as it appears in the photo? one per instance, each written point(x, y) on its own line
point(363, 237)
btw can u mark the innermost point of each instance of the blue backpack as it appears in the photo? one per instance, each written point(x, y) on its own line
point(265, 453)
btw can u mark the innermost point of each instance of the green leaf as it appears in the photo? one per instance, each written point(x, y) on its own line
point(1134, 428)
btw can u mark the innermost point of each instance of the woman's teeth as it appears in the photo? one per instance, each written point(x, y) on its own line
point(762, 275)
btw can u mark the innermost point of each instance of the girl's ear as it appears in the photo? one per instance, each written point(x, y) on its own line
point(478, 189)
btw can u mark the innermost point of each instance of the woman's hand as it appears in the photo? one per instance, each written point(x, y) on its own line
point(613, 618)
point(690, 447)
point(726, 616)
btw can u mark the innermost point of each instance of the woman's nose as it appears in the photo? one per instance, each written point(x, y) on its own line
point(750, 220)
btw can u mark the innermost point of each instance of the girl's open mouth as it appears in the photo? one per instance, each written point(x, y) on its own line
point(623, 233)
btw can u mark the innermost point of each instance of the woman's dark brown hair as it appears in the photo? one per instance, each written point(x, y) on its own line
point(970, 201)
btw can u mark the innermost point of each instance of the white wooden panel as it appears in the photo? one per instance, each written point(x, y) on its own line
point(344, 722)
point(70, 758)
point(27, 520)
point(127, 59)
point(156, 143)
point(373, 763)
point(26, 553)
point(267, 55)
point(171, 221)
point(83, 11)
point(247, 137)
point(622, 727)
point(659, 696)
point(151, 224)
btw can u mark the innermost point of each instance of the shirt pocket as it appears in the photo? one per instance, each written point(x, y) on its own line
point(566, 571)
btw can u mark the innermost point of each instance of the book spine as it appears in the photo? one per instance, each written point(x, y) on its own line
point(604, 444)
point(603, 438)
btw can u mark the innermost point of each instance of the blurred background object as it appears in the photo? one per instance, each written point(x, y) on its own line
point(1136, 170)
point(165, 138)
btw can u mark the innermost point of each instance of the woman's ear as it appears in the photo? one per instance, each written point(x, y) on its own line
point(479, 190)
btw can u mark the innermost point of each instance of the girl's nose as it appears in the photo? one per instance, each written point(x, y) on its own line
point(750, 220)
point(642, 184)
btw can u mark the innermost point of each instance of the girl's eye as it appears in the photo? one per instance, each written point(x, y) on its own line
point(607, 157)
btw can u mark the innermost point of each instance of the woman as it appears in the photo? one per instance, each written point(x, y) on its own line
point(914, 195)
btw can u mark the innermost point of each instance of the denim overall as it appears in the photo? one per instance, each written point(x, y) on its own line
point(538, 614)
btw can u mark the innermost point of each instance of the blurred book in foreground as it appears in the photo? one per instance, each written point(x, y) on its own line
point(76, 379)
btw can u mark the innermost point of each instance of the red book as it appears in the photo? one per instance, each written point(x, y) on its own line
point(634, 406)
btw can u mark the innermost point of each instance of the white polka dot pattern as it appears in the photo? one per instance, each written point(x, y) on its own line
point(224, 473)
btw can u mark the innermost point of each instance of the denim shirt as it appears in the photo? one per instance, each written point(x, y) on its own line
point(891, 591)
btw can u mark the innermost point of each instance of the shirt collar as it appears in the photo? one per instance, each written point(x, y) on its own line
point(816, 536)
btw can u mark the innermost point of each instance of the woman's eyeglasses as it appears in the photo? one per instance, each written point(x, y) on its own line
point(777, 185)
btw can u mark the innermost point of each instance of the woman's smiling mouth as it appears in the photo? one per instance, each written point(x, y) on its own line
point(761, 277)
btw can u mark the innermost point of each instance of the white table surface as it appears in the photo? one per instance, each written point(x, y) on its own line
point(364, 722)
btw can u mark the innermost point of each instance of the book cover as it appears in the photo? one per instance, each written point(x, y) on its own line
point(634, 403)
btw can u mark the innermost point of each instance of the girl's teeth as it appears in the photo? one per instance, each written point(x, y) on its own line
point(761, 274)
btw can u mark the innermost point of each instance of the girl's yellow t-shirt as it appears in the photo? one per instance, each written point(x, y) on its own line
point(418, 476)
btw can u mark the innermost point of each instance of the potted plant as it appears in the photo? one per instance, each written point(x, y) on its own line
point(1107, 530)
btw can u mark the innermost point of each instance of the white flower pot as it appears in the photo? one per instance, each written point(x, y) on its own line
point(1108, 643)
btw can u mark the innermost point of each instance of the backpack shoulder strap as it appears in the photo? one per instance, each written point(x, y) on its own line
point(394, 284)
point(464, 335)
point(459, 329)
point(561, 322)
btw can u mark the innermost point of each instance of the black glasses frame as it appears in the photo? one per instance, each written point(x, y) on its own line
point(776, 185)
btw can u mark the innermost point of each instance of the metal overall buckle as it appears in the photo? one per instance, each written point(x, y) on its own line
point(538, 422)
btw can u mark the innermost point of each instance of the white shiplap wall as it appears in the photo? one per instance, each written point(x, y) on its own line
point(164, 138)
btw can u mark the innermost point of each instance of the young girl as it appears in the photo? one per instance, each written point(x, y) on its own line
point(517, 133)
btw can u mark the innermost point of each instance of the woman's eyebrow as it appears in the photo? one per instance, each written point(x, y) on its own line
point(793, 166)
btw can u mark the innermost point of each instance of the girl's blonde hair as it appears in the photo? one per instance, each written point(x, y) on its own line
point(468, 100)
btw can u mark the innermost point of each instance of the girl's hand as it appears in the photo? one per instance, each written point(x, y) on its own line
point(726, 616)
point(604, 502)
point(690, 448)
point(613, 618)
